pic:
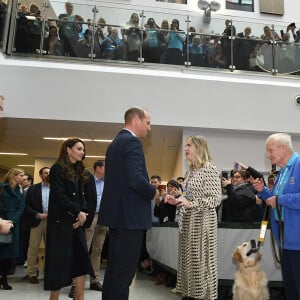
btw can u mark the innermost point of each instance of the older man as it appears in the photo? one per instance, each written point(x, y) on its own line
point(285, 202)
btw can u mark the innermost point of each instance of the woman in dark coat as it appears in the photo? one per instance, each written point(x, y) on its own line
point(12, 206)
point(67, 256)
point(241, 204)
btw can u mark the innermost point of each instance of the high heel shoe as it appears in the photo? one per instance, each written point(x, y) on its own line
point(4, 284)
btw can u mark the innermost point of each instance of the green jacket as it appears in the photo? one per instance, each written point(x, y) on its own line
point(12, 206)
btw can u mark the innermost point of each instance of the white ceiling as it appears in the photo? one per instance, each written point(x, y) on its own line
point(26, 135)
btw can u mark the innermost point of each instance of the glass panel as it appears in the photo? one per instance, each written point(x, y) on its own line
point(110, 33)
point(122, 36)
point(3, 14)
point(73, 28)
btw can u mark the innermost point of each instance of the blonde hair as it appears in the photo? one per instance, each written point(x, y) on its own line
point(202, 155)
point(10, 176)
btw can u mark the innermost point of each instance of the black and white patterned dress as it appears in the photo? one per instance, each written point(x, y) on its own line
point(197, 274)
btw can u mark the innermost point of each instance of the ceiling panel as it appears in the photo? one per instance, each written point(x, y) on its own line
point(26, 135)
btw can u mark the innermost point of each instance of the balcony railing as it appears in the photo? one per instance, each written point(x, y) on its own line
point(100, 33)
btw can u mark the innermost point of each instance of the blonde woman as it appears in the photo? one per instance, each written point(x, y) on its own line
point(12, 206)
point(197, 256)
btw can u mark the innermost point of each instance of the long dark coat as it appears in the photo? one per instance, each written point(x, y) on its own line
point(66, 200)
point(12, 208)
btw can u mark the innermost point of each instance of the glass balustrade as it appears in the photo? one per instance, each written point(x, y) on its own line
point(111, 34)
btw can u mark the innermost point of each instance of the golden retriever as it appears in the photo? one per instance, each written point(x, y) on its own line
point(250, 282)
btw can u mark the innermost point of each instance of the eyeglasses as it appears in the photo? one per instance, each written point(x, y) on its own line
point(171, 186)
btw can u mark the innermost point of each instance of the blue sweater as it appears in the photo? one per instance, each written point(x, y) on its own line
point(176, 40)
point(290, 200)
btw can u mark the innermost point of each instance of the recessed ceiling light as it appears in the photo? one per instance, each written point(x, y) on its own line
point(83, 139)
point(28, 166)
point(12, 153)
point(103, 141)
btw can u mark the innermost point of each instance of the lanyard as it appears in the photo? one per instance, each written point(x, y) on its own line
point(284, 176)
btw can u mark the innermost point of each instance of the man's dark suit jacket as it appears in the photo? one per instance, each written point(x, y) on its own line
point(127, 194)
point(33, 206)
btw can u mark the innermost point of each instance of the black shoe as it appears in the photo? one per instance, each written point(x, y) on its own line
point(4, 284)
point(26, 277)
point(72, 292)
point(96, 286)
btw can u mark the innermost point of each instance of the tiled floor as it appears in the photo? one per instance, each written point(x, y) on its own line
point(142, 289)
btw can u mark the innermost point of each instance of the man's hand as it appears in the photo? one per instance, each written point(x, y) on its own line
point(271, 201)
point(43, 216)
point(258, 184)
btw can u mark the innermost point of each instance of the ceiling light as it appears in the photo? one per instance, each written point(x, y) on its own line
point(64, 138)
point(28, 166)
point(12, 153)
point(103, 141)
point(83, 139)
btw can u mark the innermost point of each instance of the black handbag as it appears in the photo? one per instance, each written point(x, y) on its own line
point(6, 238)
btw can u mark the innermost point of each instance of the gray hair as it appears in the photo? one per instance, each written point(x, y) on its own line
point(281, 139)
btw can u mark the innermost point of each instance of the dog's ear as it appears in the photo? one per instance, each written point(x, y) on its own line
point(237, 256)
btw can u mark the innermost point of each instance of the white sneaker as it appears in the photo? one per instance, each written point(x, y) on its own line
point(25, 264)
point(175, 291)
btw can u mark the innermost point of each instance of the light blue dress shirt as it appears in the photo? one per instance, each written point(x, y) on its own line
point(99, 189)
point(45, 197)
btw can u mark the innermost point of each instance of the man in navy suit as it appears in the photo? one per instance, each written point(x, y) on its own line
point(126, 203)
point(37, 198)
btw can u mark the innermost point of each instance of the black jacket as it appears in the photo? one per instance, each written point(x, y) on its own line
point(240, 206)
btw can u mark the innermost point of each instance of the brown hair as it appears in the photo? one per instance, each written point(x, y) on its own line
point(72, 170)
point(132, 112)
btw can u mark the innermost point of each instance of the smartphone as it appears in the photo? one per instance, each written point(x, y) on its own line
point(224, 174)
point(236, 166)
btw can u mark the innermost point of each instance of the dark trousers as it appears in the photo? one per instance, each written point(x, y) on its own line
point(23, 245)
point(123, 255)
point(291, 274)
point(144, 253)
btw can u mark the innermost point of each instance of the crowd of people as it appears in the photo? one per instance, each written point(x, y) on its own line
point(73, 208)
point(166, 43)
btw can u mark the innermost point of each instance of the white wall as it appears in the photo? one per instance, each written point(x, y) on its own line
point(228, 147)
point(206, 99)
point(236, 112)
